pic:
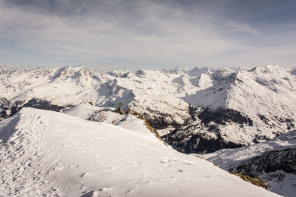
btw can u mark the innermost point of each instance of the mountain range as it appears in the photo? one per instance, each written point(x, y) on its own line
point(242, 120)
point(196, 111)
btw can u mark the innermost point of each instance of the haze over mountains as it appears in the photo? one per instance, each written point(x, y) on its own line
point(200, 110)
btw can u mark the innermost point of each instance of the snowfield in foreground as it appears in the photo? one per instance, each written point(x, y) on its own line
point(49, 153)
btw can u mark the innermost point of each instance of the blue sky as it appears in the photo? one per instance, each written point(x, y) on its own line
point(130, 34)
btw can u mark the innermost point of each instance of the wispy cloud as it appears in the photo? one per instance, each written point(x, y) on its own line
point(243, 28)
point(130, 33)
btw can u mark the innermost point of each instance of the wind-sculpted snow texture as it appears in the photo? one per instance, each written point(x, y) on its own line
point(201, 110)
point(45, 153)
point(274, 161)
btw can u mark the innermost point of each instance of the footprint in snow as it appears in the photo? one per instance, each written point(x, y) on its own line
point(59, 168)
point(97, 193)
point(84, 174)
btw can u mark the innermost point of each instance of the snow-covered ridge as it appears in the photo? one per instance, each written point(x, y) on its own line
point(236, 107)
point(54, 154)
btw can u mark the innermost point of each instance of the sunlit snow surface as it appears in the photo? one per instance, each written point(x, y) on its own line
point(49, 153)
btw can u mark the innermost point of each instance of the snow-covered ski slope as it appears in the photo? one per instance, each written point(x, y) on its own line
point(50, 153)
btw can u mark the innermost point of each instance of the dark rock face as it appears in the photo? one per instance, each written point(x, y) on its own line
point(191, 139)
point(220, 116)
point(42, 104)
point(289, 122)
point(193, 111)
point(34, 103)
point(264, 119)
point(3, 115)
point(268, 162)
point(185, 141)
point(4, 105)
point(199, 144)
point(158, 119)
point(158, 122)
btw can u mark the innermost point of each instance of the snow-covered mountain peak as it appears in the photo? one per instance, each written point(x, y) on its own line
point(4, 69)
point(293, 72)
point(74, 73)
point(177, 70)
point(195, 72)
point(238, 106)
point(222, 74)
point(140, 73)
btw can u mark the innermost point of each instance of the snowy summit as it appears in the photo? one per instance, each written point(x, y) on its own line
point(50, 153)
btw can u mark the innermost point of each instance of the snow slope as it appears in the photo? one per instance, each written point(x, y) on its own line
point(83, 110)
point(49, 153)
point(273, 161)
point(107, 115)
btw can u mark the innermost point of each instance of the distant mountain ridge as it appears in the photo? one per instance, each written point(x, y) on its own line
point(199, 110)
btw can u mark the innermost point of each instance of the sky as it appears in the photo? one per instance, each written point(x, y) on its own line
point(117, 34)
